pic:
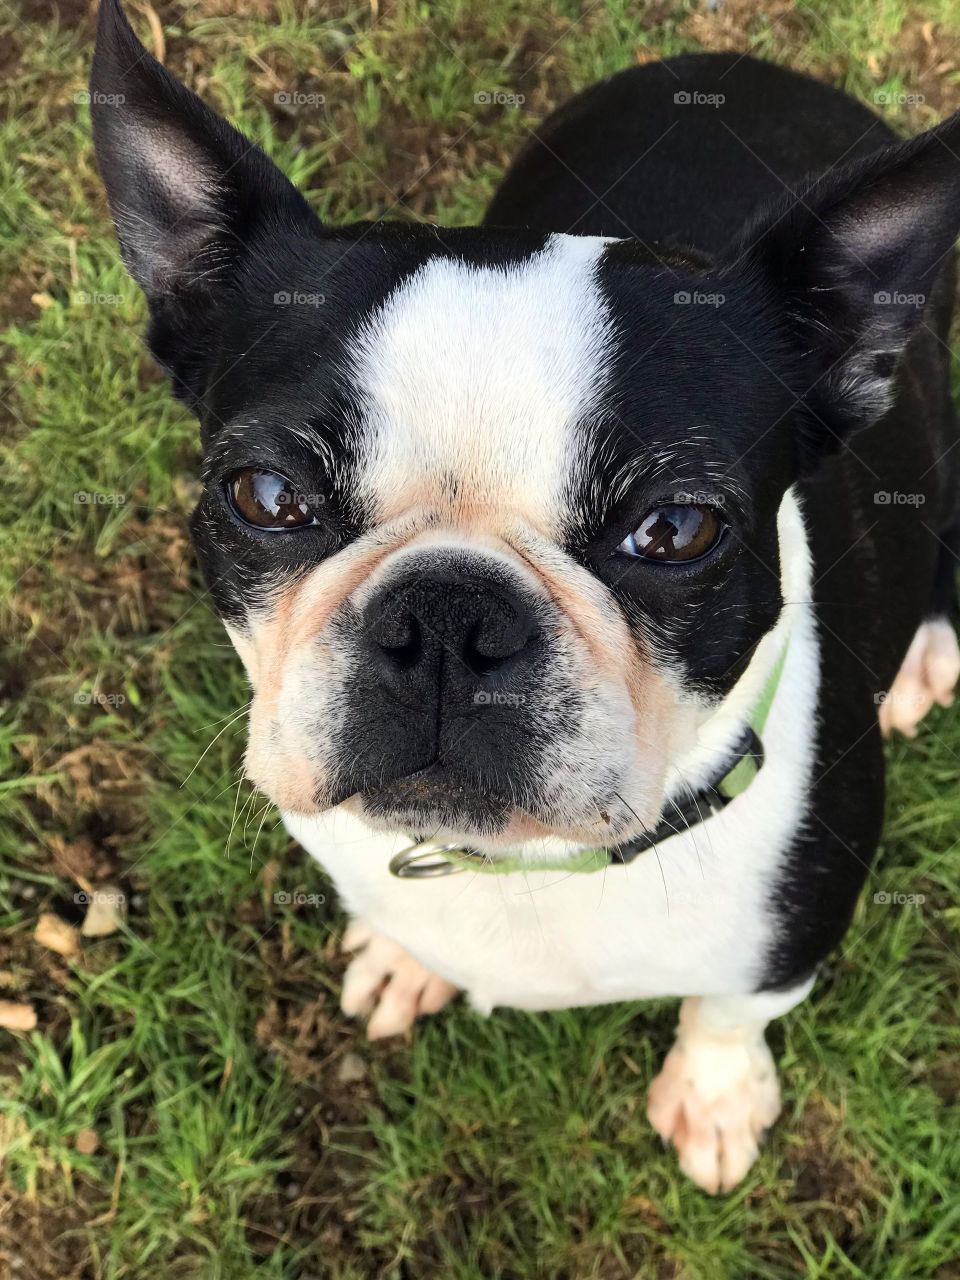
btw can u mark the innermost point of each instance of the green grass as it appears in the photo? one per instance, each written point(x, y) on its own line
point(203, 1044)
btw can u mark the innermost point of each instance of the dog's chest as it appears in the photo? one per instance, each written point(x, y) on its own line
point(695, 915)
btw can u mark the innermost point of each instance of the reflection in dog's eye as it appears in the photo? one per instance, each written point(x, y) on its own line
point(269, 501)
point(674, 533)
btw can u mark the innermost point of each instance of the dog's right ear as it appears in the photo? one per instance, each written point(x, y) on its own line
point(188, 192)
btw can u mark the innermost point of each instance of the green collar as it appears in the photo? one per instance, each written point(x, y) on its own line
point(427, 859)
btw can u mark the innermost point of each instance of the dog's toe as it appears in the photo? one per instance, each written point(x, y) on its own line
point(387, 985)
point(358, 934)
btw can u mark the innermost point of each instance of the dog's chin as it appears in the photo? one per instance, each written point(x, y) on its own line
point(432, 806)
point(426, 804)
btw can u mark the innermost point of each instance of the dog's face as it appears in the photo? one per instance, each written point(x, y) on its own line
point(491, 516)
point(470, 559)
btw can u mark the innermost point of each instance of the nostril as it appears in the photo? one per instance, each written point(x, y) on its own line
point(400, 640)
point(488, 647)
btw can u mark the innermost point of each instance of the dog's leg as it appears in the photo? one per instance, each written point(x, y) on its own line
point(717, 1092)
point(928, 674)
point(386, 984)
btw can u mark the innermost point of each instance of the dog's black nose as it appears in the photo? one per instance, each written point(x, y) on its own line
point(444, 626)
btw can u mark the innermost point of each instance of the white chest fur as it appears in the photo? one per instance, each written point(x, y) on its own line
point(692, 916)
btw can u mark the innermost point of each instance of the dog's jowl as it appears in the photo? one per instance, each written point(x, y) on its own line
point(579, 560)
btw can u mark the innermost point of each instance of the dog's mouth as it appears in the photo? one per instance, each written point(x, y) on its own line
point(432, 799)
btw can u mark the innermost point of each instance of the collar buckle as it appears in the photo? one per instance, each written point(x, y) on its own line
point(426, 860)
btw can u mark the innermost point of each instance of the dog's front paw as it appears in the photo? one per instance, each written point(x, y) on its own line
point(386, 984)
point(715, 1096)
point(927, 675)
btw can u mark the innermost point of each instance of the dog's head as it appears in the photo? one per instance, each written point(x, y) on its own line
point(490, 515)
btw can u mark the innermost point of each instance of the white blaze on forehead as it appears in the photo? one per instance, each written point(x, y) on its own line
point(478, 376)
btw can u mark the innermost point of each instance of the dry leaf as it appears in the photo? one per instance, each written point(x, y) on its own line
point(87, 1141)
point(105, 912)
point(17, 1017)
point(56, 934)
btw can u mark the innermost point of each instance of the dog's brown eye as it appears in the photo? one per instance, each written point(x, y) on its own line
point(267, 500)
point(674, 533)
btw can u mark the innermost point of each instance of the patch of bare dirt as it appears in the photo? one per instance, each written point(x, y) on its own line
point(925, 55)
point(125, 593)
point(16, 298)
point(66, 14)
point(927, 58)
point(943, 1077)
point(735, 24)
point(47, 1242)
point(318, 1197)
point(823, 1170)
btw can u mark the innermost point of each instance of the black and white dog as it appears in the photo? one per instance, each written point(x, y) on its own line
point(572, 557)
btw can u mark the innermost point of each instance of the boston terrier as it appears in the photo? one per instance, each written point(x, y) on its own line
point(579, 560)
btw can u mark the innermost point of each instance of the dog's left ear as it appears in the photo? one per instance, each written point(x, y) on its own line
point(188, 192)
point(852, 259)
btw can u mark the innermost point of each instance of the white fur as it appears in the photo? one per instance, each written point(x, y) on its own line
point(479, 376)
point(692, 916)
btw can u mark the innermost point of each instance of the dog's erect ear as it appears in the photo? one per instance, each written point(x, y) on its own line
point(188, 192)
point(853, 259)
